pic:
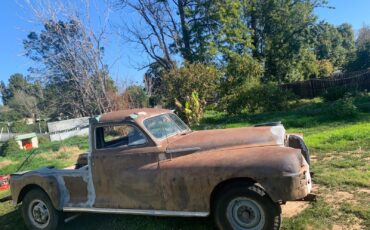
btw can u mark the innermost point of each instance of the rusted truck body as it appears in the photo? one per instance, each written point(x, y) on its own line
point(147, 161)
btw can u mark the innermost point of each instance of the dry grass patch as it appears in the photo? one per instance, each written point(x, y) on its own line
point(5, 163)
point(70, 152)
point(294, 208)
point(364, 190)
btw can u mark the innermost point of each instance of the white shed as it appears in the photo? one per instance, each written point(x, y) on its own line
point(27, 141)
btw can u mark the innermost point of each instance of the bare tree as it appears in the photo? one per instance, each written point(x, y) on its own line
point(69, 56)
point(164, 28)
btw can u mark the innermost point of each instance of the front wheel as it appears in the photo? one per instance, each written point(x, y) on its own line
point(38, 211)
point(246, 207)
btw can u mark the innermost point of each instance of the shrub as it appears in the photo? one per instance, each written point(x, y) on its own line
point(43, 140)
point(335, 93)
point(241, 72)
point(55, 147)
point(258, 98)
point(10, 147)
point(136, 97)
point(180, 83)
point(63, 155)
point(343, 108)
point(193, 110)
point(325, 68)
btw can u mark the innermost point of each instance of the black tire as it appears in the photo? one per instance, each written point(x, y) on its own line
point(37, 205)
point(297, 142)
point(243, 213)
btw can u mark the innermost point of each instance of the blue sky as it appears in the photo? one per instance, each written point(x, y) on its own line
point(124, 58)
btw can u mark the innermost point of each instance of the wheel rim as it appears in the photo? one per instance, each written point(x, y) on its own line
point(245, 213)
point(39, 213)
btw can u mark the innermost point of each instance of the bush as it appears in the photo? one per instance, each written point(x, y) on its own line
point(22, 127)
point(10, 147)
point(180, 83)
point(55, 147)
point(136, 97)
point(325, 68)
point(258, 98)
point(192, 110)
point(343, 108)
point(335, 93)
point(43, 140)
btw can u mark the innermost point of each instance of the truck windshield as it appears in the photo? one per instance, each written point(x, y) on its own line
point(165, 125)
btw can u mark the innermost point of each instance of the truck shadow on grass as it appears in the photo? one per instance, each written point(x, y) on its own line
point(108, 221)
point(12, 220)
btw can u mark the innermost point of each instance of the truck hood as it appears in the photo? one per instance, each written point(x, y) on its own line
point(223, 138)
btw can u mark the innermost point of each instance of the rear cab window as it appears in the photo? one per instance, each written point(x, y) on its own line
point(121, 135)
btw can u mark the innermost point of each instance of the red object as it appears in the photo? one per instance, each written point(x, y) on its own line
point(4, 182)
point(27, 144)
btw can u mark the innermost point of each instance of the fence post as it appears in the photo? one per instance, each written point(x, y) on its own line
point(312, 89)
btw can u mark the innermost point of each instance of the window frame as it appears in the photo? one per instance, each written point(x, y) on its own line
point(147, 143)
point(165, 137)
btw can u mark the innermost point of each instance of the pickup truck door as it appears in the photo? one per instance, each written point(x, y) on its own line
point(125, 168)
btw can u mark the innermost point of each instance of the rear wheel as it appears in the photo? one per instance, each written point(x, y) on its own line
point(246, 207)
point(38, 211)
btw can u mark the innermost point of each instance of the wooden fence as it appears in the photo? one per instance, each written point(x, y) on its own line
point(316, 87)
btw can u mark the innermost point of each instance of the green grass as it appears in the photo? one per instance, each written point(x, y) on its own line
point(342, 163)
point(59, 161)
point(316, 217)
point(344, 171)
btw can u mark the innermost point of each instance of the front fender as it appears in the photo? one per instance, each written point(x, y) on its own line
point(188, 181)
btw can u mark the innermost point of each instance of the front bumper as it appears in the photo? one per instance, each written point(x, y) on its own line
point(300, 185)
point(292, 186)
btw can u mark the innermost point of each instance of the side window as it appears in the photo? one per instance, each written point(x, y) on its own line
point(119, 135)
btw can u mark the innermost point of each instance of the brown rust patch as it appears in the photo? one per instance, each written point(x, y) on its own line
point(202, 171)
point(77, 189)
point(125, 114)
point(48, 183)
point(222, 138)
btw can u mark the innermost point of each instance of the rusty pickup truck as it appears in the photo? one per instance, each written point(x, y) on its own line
point(149, 162)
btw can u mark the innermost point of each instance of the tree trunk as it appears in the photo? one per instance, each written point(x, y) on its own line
point(186, 51)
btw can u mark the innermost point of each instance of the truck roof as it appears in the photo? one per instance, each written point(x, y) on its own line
point(128, 113)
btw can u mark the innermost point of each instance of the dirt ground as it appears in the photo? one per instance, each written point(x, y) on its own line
point(294, 208)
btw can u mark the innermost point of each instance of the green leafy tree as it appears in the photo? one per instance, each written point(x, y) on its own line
point(23, 96)
point(361, 59)
point(335, 44)
point(282, 37)
point(17, 82)
point(240, 70)
point(136, 97)
point(10, 147)
point(180, 83)
point(325, 68)
point(153, 83)
point(8, 114)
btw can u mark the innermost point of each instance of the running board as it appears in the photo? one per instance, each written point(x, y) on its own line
point(137, 212)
